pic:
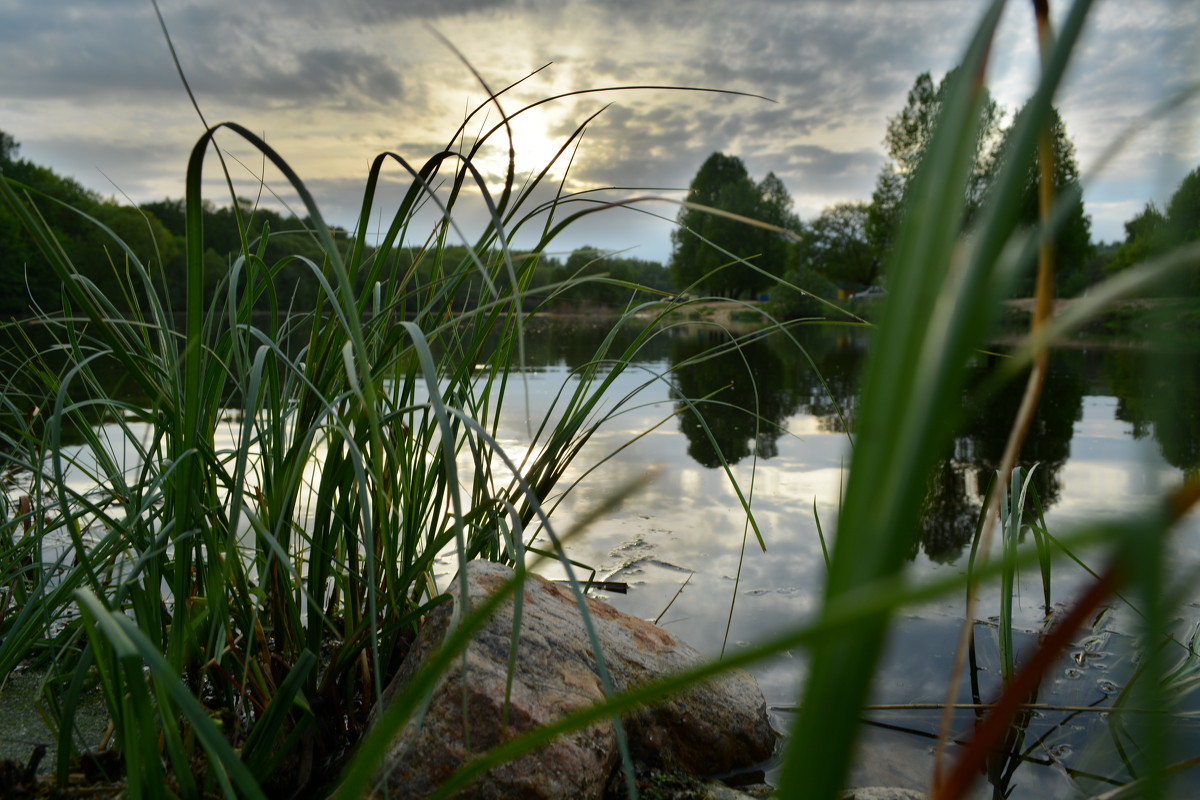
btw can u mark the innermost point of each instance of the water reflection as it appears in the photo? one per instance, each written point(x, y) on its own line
point(1159, 395)
point(577, 342)
point(733, 395)
point(789, 452)
point(744, 394)
point(959, 484)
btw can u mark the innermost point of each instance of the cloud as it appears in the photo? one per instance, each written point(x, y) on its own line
point(332, 89)
point(321, 76)
point(88, 52)
point(377, 11)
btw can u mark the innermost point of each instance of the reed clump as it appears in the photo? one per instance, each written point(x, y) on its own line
point(251, 573)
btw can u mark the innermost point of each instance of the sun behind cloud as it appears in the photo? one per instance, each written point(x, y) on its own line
point(536, 139)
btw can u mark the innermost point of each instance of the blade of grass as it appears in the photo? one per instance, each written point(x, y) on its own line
point(912, 374)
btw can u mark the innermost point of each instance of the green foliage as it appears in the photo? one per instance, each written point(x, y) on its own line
point(907, 142)
point(885, 211)
point(154, 232)
point(268, 549)
point(946, 291)
point(609, 280)
point(1073, 247)
point(1183, 211)
point(1183, 223)
point(256, 588)
point(837, 243)
point(1146, 236)
point(800, 295)
point(77, 218)
point(160, 228)
point(1152, 233)
point(708, 249)
point(8, 149)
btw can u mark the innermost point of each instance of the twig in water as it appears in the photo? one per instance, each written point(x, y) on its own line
point(673, 599)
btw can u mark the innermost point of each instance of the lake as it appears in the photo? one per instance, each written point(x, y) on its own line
point(1106, 442)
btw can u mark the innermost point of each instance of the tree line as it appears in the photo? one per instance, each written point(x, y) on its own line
point(846, 247)
point(155, 233)
point(843, 249)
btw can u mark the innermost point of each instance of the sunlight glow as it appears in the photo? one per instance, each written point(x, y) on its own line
point(536, 143)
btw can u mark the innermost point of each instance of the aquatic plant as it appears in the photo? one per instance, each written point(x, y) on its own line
point(255, 569)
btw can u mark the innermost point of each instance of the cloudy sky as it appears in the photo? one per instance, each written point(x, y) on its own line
point(88, 88)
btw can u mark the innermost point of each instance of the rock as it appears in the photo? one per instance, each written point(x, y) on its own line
point(709, 729)
point(882, 793)
point(715, 790)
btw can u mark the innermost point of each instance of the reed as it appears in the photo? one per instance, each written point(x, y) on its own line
point(945, 297)
point(252, 571)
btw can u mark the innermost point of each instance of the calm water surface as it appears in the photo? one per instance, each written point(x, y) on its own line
point(1106, 442)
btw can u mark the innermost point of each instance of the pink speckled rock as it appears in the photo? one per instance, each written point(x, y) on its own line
point(713, 728)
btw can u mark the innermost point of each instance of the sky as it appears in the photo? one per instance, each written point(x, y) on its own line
point(88, 88)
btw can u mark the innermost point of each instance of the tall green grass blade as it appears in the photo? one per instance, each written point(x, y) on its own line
point(1011, 522)
point(821, 537)
point(1041, 540)
point(905, 419)
point(132, 648)
point(259, 751)
point(934, 316)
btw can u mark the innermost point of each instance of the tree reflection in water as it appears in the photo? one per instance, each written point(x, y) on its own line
point(740, 391)
point(956, 491)
point(1159, 395)
point(745, 391)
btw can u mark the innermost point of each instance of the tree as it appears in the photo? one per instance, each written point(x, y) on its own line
point(23, 268)
point(8, 149)
point(884, 212)
point(706, 246)
point(907, 139)
point(97, 254)
point(1183, 225)
point(1146, 235)
point(1183, 210)
point(788, 303)
point(1153, 232)
point(779, 254)
point(837, 244)
point(777, 206)
point(1149, 224)
point(1073, 245)
point(910, 131)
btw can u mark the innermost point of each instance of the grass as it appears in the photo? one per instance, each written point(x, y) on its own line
point(239, 583)
point(252, 572)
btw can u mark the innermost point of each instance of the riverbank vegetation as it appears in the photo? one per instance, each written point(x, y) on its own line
point(244, 582)
point(323, 426)
point(841, 251)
